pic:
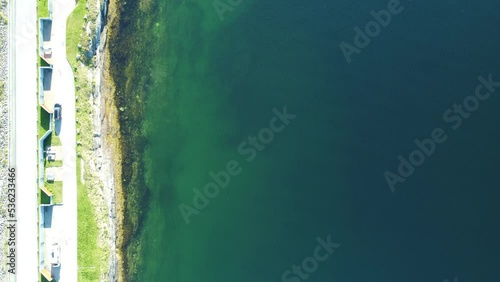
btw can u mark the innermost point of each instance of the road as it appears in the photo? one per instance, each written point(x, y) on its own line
point(64, 221)
point(22, 98)
point(23, 73)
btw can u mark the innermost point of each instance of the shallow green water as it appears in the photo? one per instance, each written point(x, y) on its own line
point(216, 82)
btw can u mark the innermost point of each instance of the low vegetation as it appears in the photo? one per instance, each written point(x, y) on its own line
point(2, 90)
point(77, 46)
point(56, 188)
point(43, 8)
point(92, 258)
point(88, 248)
point(43, 121)
point(42, 62)
point(43, 127)
point(79, 42)
point(56, 163)
point(4, 19)
point(44, 198)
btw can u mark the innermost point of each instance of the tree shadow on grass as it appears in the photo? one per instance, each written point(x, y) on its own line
point(48, 142)
point(44, 120)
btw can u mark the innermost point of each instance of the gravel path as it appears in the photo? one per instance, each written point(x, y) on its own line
point(4, 135)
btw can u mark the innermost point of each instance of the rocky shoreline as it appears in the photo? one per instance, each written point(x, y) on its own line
point(4, 134)
point(130, 40)
point(105, 160)
point(101, 158)
point(102, 164)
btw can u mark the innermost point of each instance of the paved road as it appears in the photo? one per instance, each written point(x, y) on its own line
point(64, 221)
point(23, 43)
point(23, 70)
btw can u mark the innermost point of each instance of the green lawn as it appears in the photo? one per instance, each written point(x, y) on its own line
point(4, 18)
point(43, 121)
point(90, 254)
point(43, 8)
point(88, 249)
point(42, 62)
point(2, 87)
point(44, 198)
point(56, 188)
point(43, 126)
point(57, 163)
point(73, 31)
point(53, 140)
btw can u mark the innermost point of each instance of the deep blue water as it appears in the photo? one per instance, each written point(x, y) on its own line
point(323, 174)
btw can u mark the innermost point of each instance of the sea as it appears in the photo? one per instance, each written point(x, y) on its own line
point(346, 140)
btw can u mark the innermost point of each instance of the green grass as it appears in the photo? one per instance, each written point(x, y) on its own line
point(43, 126)
point(90, 254)
point(56, 188)
point(57, 163)
point(76, 35)
point(42, 279)
point(88, 249)
point(42, 62)
point(43, 8)
point(73, 31)
point(44, 198)
point(53, 140)
point(43, 121)
point(2, 88)
point(4, 18)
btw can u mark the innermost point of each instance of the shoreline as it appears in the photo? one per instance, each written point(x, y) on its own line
point(110, 132)
point(97, 144)
point(112, 157)
point(122, 142)
point(128, 78)
point(104, 124)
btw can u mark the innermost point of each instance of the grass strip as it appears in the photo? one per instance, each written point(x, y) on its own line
point(88, 250)
point(43, 8)
point(56, 188)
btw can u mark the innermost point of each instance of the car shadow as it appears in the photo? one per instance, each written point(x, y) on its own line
point(56, 272)
point(57, 126)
